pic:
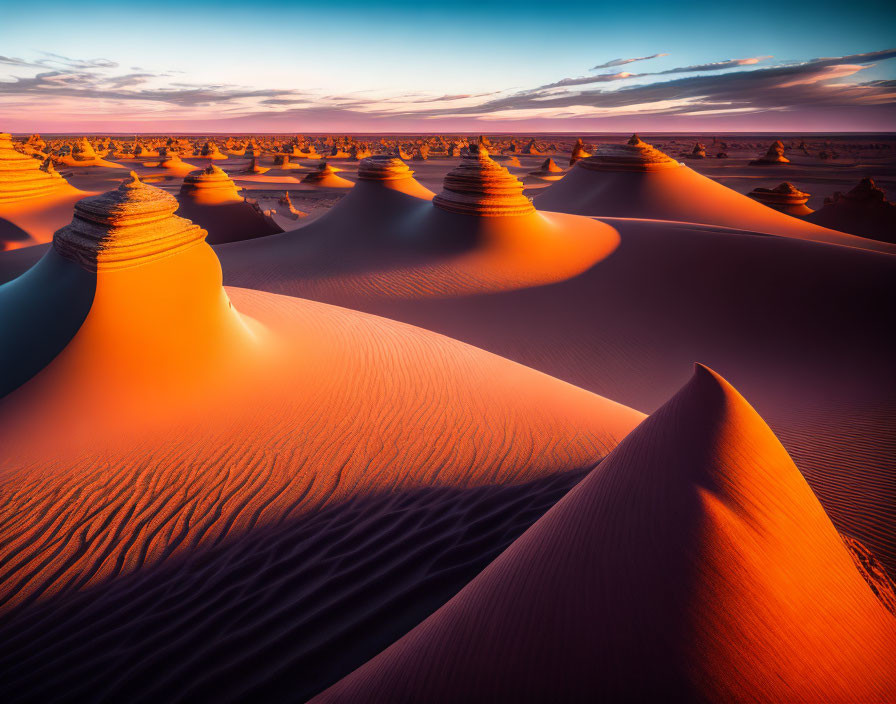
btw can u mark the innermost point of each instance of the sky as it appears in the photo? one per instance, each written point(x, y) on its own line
point(356, 67)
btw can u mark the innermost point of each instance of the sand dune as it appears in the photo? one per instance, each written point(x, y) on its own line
point(637, 181)
point(799, 326)
point(211, 199)
point(175, 415)
point(479, 234)
point(276, 614)
point(694, 564)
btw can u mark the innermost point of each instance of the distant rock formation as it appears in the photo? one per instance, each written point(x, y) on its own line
point(634, 155)
point(325, 176)
point(548, 171)
point(863, 211)
point(774, 155)
point(383, 168)
point(785, 197)
point(480, 186)
point(210, 151)
point(212, 200)
point(531, 149)
point(83, 150)
point(23, 177)
point(698, 152)
point(253, 167)
point(291, 211)
point(578, 152)
point(282, 161)
point(211, 185)
point(357, 152)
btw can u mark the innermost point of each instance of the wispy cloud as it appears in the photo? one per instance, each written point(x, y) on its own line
point(623, 62)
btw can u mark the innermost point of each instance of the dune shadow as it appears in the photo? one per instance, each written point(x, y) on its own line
point(277, 614)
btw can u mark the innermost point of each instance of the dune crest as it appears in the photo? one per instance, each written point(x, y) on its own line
point(694, 564)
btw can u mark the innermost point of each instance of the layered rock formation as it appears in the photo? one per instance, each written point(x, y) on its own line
point(480, 186)
point(634, 155)
point(210, 185)
point(863, 211)
point(23, 177)
point(774, 155)
point(784, 197)
point(134, 224)
point(694, 564)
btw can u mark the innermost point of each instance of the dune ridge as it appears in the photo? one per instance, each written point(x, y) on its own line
point(636, 180)
point(693, 564)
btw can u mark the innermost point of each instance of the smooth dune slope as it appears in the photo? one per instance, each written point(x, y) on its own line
point(801, 327)
point(694, 564)
point(637, 181)
point(480, 234)
point(179, 415)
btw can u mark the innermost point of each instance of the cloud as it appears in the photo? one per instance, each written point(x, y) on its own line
point(827, 85)
point(584, 80)
point(623, 62)
point(609, 77)
point(714, 66)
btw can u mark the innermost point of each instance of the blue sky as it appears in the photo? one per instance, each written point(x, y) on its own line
point(401, 66)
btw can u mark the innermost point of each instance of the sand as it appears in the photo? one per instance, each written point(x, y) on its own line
point(619, 181)
point(207, 384)
point(232, 494)
point(797, 325)
point(694, 564)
